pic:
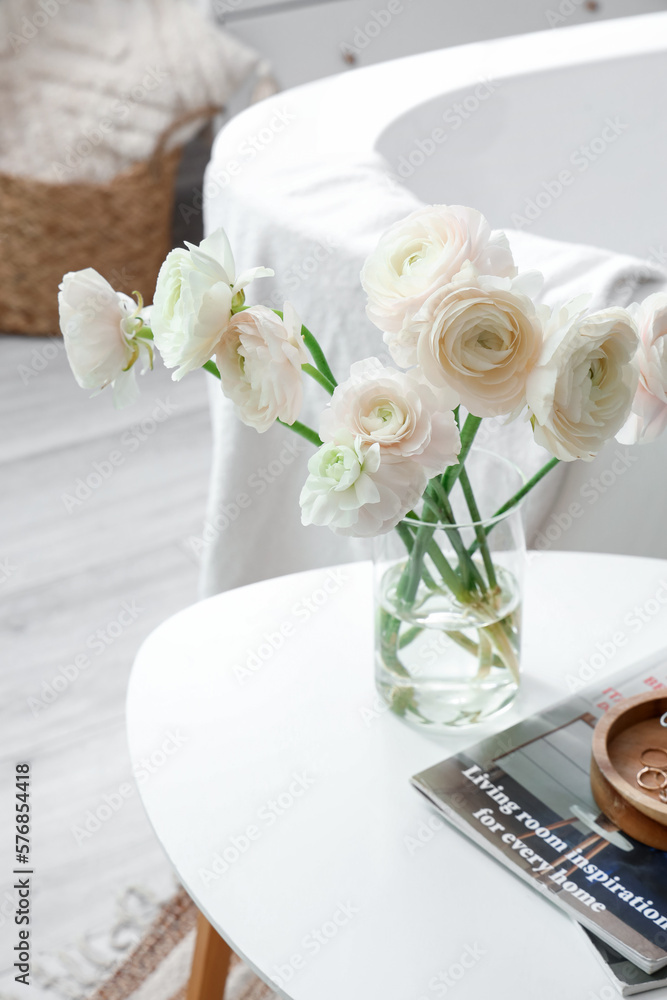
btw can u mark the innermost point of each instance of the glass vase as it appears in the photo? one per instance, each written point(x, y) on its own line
point(448, 597)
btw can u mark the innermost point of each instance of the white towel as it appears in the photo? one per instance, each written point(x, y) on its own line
point(315, 224)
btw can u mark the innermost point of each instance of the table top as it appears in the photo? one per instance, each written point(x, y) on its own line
point(278, 785)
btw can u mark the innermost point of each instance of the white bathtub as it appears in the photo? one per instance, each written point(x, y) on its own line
point(562, 133)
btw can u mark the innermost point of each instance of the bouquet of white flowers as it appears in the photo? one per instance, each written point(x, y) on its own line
point(393, 446)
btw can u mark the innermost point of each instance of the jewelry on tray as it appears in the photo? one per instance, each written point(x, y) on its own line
point(660, 764)
point(660, 783)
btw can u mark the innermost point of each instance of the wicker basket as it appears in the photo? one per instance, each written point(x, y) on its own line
point(122, 229)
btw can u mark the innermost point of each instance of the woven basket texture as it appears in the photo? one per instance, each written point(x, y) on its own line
point(122, 229)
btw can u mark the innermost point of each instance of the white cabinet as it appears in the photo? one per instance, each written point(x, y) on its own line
point(308, 40)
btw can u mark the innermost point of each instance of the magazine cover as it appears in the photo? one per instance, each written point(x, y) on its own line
point(628, 978)
point(525, 796)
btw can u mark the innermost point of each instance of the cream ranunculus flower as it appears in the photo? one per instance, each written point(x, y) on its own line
point(101, 329)
point(192, 306)
point(581, 391)
point(397, 410)
point(423, 252)
point(649, 409)
point(353, 490)
point(481, 336)
point(259, 359)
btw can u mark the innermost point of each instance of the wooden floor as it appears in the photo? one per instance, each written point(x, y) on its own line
point(68, 568)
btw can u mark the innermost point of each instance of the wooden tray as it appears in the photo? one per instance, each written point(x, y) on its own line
point(619, 739)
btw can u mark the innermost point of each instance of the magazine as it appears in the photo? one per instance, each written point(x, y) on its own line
point(524, 796)
point(628, 979)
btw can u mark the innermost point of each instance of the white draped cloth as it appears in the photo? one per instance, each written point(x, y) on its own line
point(314, 224)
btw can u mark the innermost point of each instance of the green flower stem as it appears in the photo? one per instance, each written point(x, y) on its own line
point(414, 568)
point(403, 700)
point(317, 355)
point(485, 658)
point(480, 533)
point(305, 432)
point(432, 505)
point(519, 495)
point(448, 575)
point(527, 487)
point(469, 571)
point(423, 542)
point(470, 428)
point(409, 636)
point(319, 377)
point(389, 629)
point(465, 562)
point(211, 367)
point(409, 581)
point(498, 636)
point(404, 533)
point(463, 641)
point(316, 352)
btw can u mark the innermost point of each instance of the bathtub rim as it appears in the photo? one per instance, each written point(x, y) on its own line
point(407, 83)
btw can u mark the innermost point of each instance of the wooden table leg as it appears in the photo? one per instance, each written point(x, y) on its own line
point(210, 964)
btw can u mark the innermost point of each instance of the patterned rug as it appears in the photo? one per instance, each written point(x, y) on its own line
point(159, 967)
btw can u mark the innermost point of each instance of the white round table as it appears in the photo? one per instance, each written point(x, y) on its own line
point(284, 801)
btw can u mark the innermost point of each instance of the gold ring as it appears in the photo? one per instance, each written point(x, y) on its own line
point(651, 770)
point(660, 764)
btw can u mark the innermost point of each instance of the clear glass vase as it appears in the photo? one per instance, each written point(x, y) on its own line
point(448, 597)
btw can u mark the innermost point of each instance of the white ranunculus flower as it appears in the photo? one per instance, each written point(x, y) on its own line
point(479, 335)
point(353, 490)
point(581, 391)
point(193, 301)
point(422, 253)
point(649, 409)
point(400, 411)
point(99, 328)
point(259, 359)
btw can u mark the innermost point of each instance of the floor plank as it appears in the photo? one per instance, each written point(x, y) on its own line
point(66, 571)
